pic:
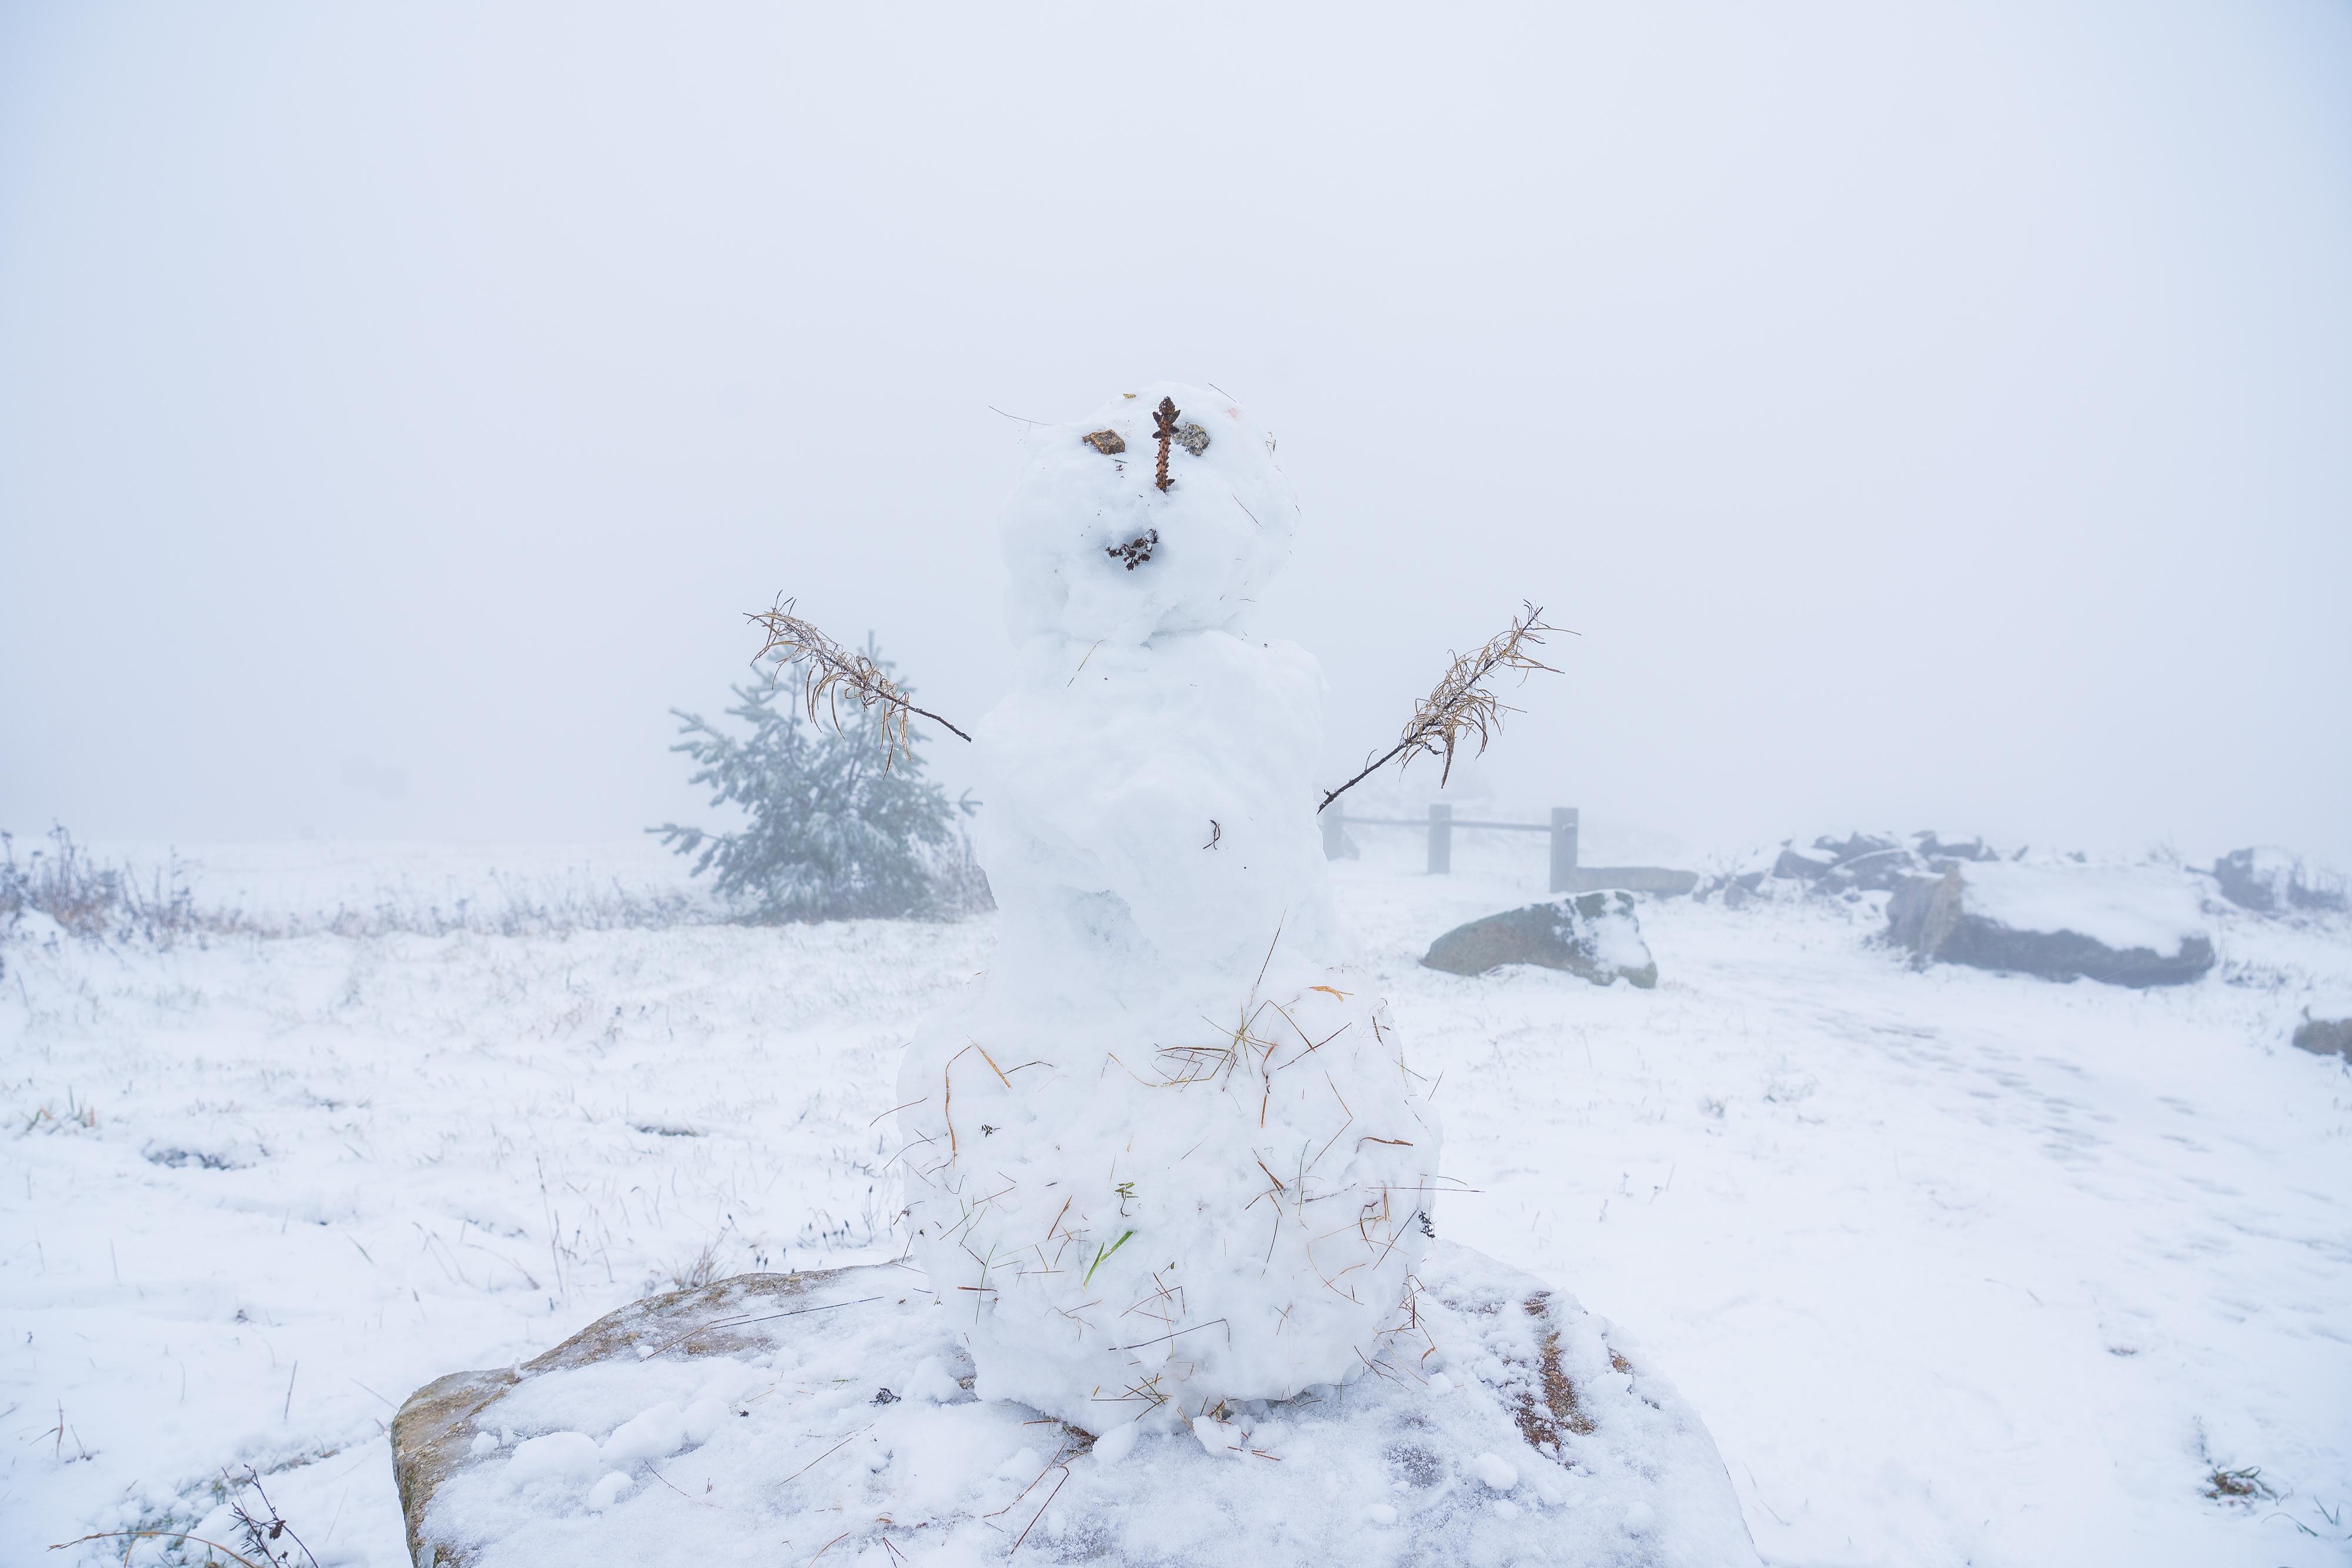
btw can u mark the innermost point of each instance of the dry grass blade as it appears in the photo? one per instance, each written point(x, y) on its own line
point(136, 1536)
point(830, 671)
point(1460, 706)
point(1041, 1508)
point(828, 1454)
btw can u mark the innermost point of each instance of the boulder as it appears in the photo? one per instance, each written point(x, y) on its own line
point(1800, 868)
point(1853, 846)
point(1872, 870)
point(2325, 1037)
point(2272, 881)
point(1740, 880)
point(436, 1430)
point(1663, 881)
point(1737, 890)
point(1861, 863)
point(2127, 925)
point(2255, 879)
point(783, 1417)
point(1594, 935)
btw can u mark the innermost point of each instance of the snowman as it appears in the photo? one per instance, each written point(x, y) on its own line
point(1167, 1154)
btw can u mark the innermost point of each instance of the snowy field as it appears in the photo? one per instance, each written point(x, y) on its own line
point(1958, 1268)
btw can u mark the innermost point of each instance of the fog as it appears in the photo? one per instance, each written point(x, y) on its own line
point(1925, 416)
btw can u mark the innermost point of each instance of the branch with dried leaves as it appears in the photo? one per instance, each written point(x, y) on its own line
point(1458, 709)
point(1460, 706)
point(830, 671)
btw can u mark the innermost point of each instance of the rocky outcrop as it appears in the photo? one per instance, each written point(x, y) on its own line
point(2127, 925)
point(1594, 935)
point(1842, 868)
point(437, 1431)
point(783, 1418)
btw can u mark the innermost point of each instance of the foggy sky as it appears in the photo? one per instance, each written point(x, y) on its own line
point(1930, 415)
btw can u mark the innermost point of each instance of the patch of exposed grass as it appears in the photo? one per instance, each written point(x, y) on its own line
point(2239, 1486)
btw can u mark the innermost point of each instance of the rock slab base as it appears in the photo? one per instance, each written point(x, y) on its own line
point(774, 1417)
point(1948, 919)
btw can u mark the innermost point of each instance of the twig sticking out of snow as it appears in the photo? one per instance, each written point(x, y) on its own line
point(1460, 705)
point(1165, 418)
point(136, 1536)
point(262, 1533)
point(829, 672)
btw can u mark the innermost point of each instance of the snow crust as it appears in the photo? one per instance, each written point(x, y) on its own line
point(1167, 1146)
point(2122, 906)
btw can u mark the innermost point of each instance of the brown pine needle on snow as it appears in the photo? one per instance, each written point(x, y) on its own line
point(1460, 706)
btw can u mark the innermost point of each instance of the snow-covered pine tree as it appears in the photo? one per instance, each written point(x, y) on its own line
point(835, 828)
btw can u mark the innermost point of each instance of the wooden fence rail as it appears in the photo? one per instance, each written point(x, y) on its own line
point(1567, 876)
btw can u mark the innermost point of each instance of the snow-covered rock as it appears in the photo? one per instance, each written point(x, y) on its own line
point(1166, 1148)
point(2129, 925)
point(1548, 1439)
point(2274, 881)
point(1863, 861)
point(2325, 1037)
point(1840, 868)
point(1594, 935)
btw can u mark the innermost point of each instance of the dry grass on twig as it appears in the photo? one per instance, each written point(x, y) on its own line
point(1460, 706)
point(830, 671)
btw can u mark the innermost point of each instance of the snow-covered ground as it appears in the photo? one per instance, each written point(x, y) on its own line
point(1958, 1268)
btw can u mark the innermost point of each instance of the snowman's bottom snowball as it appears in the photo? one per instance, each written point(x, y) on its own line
point(1513, 1428)
point(1170, 1200)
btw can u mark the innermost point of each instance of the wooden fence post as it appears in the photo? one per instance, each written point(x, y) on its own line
point(1563, 848)
point(1441, 839)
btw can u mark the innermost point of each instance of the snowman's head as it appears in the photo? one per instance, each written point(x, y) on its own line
point(1100, 552)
